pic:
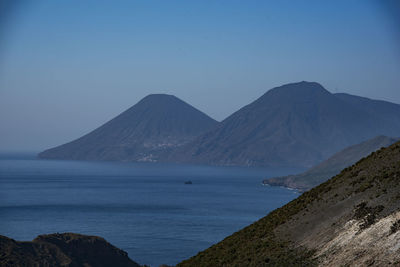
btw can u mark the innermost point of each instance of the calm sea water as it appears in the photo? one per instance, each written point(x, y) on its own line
point(144, 209)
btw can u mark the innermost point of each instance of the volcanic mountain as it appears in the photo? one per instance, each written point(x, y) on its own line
point(353, 219)
point(332, 166)
point(153, 127)
point(297, 125)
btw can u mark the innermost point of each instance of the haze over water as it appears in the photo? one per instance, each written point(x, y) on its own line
point(144, 209)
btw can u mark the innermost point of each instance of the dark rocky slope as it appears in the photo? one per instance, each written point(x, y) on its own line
point(353, 219)
point(296, 125)
point(332, 166)
point(63, 250)
point(152, 127)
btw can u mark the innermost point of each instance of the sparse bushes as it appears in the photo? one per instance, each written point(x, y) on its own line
point(368, 215)
point(364, 186)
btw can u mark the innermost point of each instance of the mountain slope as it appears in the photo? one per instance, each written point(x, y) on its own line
point(332, 166)
point(153, 126)
point(298, 124)
point(62, 250)
point(386, 110)
point(351, 220)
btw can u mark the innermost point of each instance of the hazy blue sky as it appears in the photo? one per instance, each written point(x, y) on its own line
point(66, 67)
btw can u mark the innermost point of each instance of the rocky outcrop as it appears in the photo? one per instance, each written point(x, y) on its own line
point(65, 249)
point(376, 245)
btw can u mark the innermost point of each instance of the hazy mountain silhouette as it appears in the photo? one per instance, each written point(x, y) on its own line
point(154, 126)
point(332, 166)
point(298, 124)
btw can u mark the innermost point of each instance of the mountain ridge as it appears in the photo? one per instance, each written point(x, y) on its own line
point(332, 166)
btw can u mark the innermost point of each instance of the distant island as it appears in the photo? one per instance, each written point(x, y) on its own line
point(146, 132)
point(332, 166)
point(294, 125)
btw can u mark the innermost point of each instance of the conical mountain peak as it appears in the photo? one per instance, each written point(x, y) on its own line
point(153, 126)
point(159, 98)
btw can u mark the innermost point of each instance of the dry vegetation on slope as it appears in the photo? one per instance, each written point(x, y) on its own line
point(350, 219)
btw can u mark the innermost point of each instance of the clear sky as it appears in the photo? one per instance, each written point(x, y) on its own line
point(66, 67)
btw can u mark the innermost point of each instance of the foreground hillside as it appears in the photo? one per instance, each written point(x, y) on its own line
point(351, 220)
point(332, 166)
point(152, 127)
point(63, 250)
point(296, 125)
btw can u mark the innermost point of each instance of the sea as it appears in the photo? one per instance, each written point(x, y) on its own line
point(158, 213)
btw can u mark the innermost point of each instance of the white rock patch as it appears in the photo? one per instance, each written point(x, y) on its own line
point(374, 246)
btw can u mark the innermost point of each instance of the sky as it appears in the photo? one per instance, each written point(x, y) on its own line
point(66, 67)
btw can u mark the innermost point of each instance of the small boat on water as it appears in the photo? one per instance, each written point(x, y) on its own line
point(188, 182)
